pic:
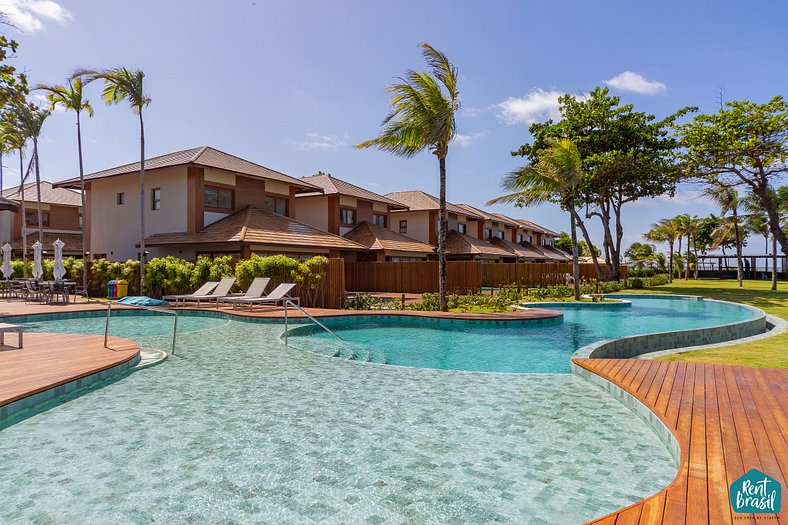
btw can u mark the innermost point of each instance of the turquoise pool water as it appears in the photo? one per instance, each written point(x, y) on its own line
point(240, 429)
point(523, 347)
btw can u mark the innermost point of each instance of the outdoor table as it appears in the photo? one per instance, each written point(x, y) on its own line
point(66, 289)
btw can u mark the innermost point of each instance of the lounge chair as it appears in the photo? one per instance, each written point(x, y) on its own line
point(202, 291)
point(222, 291)
point(255, 290)
point(279, 294)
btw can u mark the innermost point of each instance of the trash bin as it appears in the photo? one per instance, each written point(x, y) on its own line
point(121, 288)
point(111, 289)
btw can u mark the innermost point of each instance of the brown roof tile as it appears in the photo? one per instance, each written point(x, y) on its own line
point(417, 200)
point(49, 194)
point(333, 185)
point(203, 156)
point(528, 251)
point(460, 244)
point(377, 238)
point(73, 241)
point(555, 254)
point(255, 226)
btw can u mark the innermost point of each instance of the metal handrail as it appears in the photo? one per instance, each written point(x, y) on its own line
point(321, 325)
point(150, 308)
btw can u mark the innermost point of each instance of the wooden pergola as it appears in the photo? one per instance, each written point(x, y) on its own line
point(724, 266)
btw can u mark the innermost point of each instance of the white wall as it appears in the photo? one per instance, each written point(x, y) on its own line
point(114, 229)
point(313, 211)
point(418, 224)
point(6, 222)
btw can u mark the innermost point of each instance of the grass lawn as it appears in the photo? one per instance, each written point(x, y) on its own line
point(771, 352)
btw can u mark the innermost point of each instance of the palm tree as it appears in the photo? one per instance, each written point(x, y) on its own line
point(759, 221)
point(642, 254)
point(30, 120)
point(553, 177)
point(70, 98)
point(728, 200)
point(423, 118)
point(122, 84)
point(666, 230)
point(688, 227)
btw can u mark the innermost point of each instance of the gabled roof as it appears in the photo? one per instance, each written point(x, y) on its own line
point(555, 254)
point(508, 221)
point(377, 238)
point(460, 244)
point(417, 200)
point(488, 216)
point(528, 251)
point(49, 194)
point(535, 250)
point(535, 227)
point(204, 156)
point(332, 185)
point(252, 225)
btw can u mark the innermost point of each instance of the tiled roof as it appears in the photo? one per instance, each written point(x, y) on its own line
point(73, 241)
point(204, 156)
point(377, 238)
point(255, 226)
point(8, 204)
point(535, 250)
point(460, 244)
point(536, 228)
point(508, 221)
point(333, 185)
point(555, 254)
point(49, 194)
point(528, 251)
point(417, 200)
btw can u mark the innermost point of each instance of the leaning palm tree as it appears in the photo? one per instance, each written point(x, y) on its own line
point(423, 118)
point(666, 230)
point(70, 97)
point(30, 120)
point(728, 200)
point(553, 177)
point(122, 84)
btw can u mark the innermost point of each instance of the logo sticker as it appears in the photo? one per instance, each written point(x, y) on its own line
point(756, 493)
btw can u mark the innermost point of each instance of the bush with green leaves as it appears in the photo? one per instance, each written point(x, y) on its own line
point(429, 302)
point(216, 269)
point(278, 268)
point(168, 275)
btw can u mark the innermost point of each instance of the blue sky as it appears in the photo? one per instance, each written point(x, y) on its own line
point(293, 85)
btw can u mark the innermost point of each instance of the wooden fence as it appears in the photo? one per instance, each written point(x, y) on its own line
point(461, 276)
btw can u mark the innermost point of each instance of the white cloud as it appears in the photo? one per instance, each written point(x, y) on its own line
point(321, 142)
point(465, 141)
point(27, 15)
point(537, 105)
point(471, 112)
point(636, 83)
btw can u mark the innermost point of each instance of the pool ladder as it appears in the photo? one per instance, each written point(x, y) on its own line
point(149, 308)
point(288, 302)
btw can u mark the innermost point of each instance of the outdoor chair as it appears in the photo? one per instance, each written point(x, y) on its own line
point(33, 292)
point(84, 291)
point(202, 291)
point(255, 290)
point(279, 294)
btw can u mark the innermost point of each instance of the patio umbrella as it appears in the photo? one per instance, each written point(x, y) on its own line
point(7, 270)
point(59, 270)
point(38, 270)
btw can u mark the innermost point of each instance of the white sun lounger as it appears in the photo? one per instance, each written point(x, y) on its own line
point(202, 291)
point(279, 294)
point(222, 291)
point(255, 290)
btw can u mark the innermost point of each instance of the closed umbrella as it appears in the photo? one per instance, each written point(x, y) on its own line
point(38, 270)
point(59, 270)
point(7, 270)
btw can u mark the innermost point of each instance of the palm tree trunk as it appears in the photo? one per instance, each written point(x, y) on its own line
point(774, 262)
point(670, 262)
point(84, 210)
point(575, 253)
point(38, 192)
point(687, 262)
point(738, 239)
point(22, 212)
point(142, 204)
point(444, 305)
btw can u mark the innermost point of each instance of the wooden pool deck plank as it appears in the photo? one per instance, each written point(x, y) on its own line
point(51, 360)
point(726, 419)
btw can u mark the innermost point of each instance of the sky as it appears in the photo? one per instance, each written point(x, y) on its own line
point(293, 85)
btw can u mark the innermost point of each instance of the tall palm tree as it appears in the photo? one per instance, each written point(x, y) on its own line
point(553, 177)
point(423, 108)
point(688, 227)
point(759, 220)
point(642, 254)
point(70, 97)
point(30, 120)
point(666, 230)
point(123, 84)
point(727, 199)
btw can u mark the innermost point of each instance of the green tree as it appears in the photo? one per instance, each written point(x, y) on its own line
point(70, 98)
point(727, 198)
point(627, 155)
point(422, 118)
point(553, 177)
point(17, 140)
point(13, 85)
point(564, 242)
point(689, 227)
point(641, 254)
point(30, 121)
point(743, 144)
point(667, 231)
point(122, 84)
point(758, 221)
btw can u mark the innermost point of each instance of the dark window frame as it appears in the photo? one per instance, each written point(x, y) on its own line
point(343, 211)
point(34, 215)
point(218, 189)
point(403, 226)
point(376, 222)
point(120, 198)
point(155, 199)
point(488, 233)
point(462, 227)
point(277, 199)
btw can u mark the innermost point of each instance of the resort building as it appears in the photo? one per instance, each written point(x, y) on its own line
point(420, 219)
point(61, 211)
point(462, 247)
point(252, 209)
point(339, 206)
point(386, 245)
point(493, 225)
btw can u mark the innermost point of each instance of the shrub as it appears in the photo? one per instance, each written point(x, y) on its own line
point(429, 302)
point(310, 277)
point(636, 283)
point(168, 275)
point(540, 294)
point(279, 268)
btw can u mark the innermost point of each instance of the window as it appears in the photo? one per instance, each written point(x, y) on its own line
point(347, 216)
point(379, 220)
point(500, 234)
point(403, 226)
point(31, 218)
point(155, 199)
point(221, 198)
point(276, 205)
point(462, 227)
point(121, 199)
point(488, 233)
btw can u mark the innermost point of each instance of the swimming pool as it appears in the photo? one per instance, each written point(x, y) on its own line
point(520, 346)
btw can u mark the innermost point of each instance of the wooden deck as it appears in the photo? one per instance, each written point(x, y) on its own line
point(727, 420)
point(51, 360)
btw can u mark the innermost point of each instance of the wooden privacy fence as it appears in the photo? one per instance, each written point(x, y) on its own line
point(461, 276)
point(326, 292)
